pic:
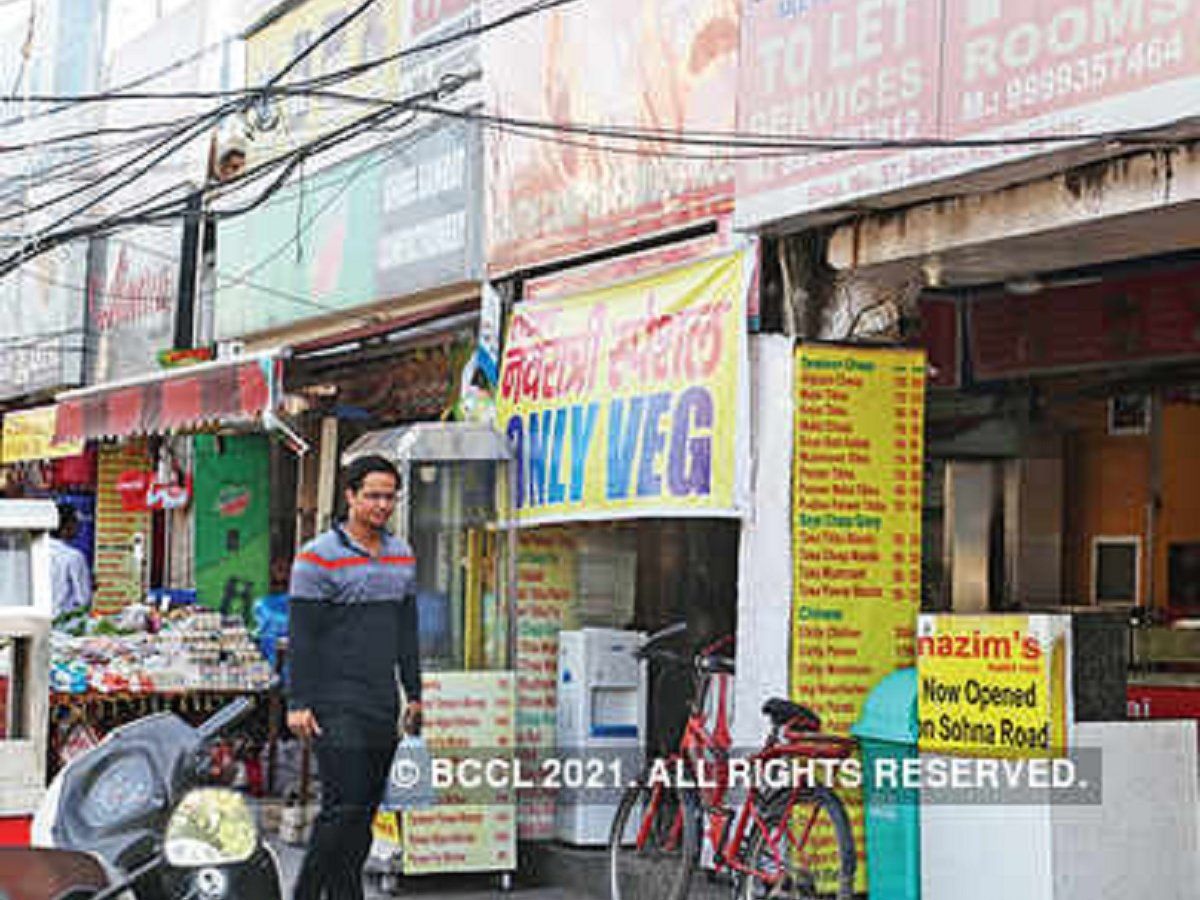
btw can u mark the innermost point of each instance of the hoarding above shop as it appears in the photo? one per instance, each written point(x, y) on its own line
point(665, 65)
point(951, 70)
point(400, 219)
point(629, 400)
point(28, 434)
point(133, 292)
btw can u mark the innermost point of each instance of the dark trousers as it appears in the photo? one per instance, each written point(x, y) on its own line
point(353, 758)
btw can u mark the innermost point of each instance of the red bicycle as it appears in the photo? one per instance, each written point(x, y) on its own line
point(787, 841)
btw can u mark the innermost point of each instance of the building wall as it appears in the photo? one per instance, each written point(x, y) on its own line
point(1179, 520)
point(1108, 490)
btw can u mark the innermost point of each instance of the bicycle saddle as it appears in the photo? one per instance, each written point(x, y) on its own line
point(784, 712)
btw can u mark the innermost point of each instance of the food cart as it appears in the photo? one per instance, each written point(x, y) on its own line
point(455, 510)
point(26, 611)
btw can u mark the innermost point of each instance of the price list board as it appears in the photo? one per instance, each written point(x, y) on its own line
point(468, 715)
point(547, 563)
point(857, 485)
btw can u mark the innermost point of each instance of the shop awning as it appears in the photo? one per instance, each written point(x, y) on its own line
point(433, 442)
point(224, 392)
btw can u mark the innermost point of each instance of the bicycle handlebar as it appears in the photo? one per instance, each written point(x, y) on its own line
point(664, 634)
point(649, 646)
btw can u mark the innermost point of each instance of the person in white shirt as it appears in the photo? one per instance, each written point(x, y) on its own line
point(70, 579)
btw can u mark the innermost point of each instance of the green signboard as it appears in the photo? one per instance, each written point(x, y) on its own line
point(306, 253)
point(233, 533)
point(399, 219)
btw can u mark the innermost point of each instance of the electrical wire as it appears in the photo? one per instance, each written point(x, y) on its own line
point(756, 141)
point(166, 212)
point(93, 133)
point(161, 149)
point(76, 164)
point(311, 48)
point(99, 181)
point(243, 277)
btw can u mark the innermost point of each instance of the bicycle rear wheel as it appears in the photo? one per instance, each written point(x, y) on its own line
point(653, 844)
point(806, 851)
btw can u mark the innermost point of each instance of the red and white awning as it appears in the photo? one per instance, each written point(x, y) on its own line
point(187, 399)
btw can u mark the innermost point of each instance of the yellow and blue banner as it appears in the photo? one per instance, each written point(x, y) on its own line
point(628, 400)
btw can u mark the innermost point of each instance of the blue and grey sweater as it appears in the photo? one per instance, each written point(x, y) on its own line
point(352, 624)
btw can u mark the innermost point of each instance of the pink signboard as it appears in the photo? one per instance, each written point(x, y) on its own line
point(1017, 62)
point(850, 69)
point(947, 70)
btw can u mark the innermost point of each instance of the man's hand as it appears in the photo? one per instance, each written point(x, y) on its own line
point(303, 724)
point(412, 718)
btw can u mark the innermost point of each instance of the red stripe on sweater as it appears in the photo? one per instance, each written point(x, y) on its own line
point(354, 561)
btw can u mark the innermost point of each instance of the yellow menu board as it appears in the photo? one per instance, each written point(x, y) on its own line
point(856, 533)
point(994, 685)
point(857, 529)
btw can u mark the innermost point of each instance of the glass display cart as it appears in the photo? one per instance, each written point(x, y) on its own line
point(455, 510)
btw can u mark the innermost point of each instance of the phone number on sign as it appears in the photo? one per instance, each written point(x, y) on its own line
point(1029, 93)
point(549, 774)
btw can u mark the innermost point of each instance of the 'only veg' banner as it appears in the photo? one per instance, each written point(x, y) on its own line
point(627, 400)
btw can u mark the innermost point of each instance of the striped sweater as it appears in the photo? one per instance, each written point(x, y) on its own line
point(352, 625)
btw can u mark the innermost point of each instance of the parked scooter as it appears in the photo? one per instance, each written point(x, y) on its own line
point(132, 820)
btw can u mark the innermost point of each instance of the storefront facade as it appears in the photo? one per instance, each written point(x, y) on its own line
point(1044, 281)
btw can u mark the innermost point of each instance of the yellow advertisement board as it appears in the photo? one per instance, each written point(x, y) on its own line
point(29, 435)
point(994, 685)
point(627, 400)
point(857, 481)
point(856, 533)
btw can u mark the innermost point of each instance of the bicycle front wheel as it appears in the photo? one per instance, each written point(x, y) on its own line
point(653, 844)
point(804, 852)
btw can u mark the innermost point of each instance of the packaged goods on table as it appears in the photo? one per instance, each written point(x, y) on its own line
point(181, 651)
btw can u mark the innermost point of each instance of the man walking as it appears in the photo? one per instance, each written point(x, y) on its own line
point(352, 625)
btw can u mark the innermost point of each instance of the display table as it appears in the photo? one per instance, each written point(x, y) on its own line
point(188, 661)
